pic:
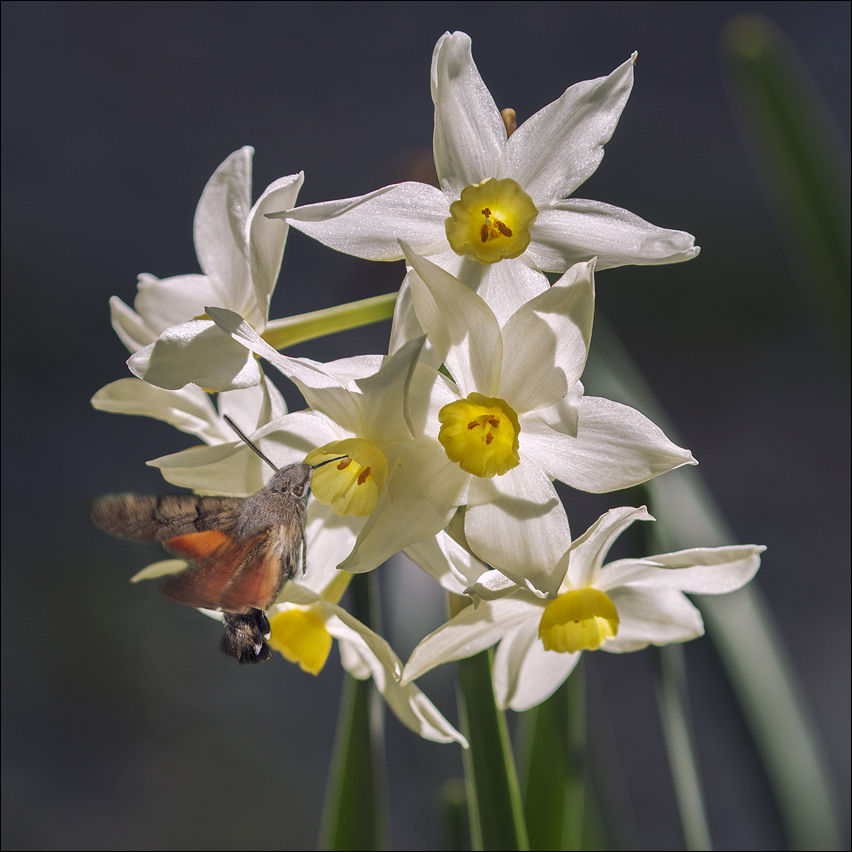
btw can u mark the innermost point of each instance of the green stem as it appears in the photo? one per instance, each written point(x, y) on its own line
point(493, 795)
point(355, 812)
point(289, 331)
point(554, 742)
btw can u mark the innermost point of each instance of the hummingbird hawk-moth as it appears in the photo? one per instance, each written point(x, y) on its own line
point(241, 551)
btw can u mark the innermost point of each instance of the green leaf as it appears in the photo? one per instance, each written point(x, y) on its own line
point(798, 153)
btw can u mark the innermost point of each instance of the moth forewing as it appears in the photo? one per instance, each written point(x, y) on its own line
point(163, 517)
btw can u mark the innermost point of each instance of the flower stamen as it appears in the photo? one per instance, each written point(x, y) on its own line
point(480, 434)
point(352, 486)
point(491, 221)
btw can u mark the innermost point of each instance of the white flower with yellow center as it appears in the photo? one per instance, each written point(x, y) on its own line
point(623, 606)
point(512, 419)
point(502, 215)
point(239, 251)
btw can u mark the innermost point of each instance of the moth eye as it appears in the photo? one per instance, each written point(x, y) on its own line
point(298, 490)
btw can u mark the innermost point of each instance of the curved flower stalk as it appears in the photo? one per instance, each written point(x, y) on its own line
point(502, 215)
point(623, 606)
point(239, 251)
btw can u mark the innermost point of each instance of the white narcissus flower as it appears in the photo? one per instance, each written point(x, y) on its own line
point(239, 251)
point(502, 215)
point(623, 606)
point(513, 419)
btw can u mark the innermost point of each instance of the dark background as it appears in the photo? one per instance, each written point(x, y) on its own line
point(123, 726)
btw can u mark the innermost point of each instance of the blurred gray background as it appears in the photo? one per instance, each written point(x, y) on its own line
point(123, 726)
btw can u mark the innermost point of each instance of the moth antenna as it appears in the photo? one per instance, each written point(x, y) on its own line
point(248, 442)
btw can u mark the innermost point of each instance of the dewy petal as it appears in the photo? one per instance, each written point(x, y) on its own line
point(504, 286)
point(524, 673)
point(387, 417)
point(469, 132)
point(699, 570)
point(615, 447)
point(461, 327)
point(164, 302)
point(555, 150)
point(188, 409)
point(471, 631)
point(220, 220)
point(266, 240)
point(423, 490)
point(652, 617)
point(588, 552)
point(516, 524)
point(195, 352)
point(560, 323)
point(371, 225)
point(575, 230)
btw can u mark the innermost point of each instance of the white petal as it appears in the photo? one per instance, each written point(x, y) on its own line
point(188, 409)
point(615, 447)
point(588, 552)
point(471, 631)
point(577, 230)
point(516, 524)
point(555, 150)
point(461, 327)
point(266, 239)
point(524, 673)
point(129, 326)
point(371, 225)
point(159, 569)
point(342, 625)
point(491, 586)
point(652, 617)
point(195, 352)
point(329, 540)
point(387, 417)
point(321, 389)
point(408, 703)
point(164, 302)
point(252, 407)
point(231, 470)
point(699, 570)
point(505, 286)
point(219, 227)
point(423, 490)
point(545, 342)
point(469, 133)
